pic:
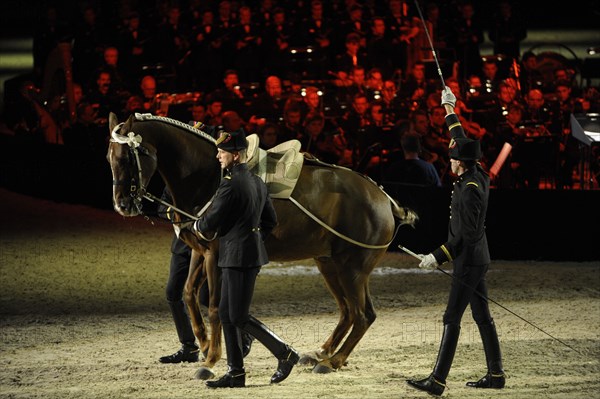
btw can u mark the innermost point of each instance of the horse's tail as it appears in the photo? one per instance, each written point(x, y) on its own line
point(403, 214)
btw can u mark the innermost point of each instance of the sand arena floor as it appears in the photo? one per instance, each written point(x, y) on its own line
point(83, 315)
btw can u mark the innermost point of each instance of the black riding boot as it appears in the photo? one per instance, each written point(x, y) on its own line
point(495, 377)
point(436, 382)
point(189, 350)
point(236, 375)
point(247, 340)
point(286, 355)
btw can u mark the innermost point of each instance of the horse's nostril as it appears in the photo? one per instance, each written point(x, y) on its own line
point(122, 203)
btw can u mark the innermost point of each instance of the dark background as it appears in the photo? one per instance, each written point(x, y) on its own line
point(18, 18)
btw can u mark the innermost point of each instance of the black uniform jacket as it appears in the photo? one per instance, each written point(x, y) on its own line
point(243, 215)
point(467, 242)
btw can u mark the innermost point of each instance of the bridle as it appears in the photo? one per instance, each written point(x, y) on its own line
point(137, 190)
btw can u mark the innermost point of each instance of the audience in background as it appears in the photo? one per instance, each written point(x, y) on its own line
point(355, 79)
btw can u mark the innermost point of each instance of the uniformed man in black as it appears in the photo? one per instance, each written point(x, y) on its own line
point(179, 266)
point(467, 248)
point(243, 216)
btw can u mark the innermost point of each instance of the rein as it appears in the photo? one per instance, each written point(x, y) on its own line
point(337, 233)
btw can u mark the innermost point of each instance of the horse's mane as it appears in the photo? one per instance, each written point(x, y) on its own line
point(176, 123)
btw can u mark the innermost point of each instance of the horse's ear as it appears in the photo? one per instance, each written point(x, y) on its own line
point(129, 123)
point(112, 121)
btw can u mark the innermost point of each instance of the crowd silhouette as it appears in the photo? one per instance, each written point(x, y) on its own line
point(347, 78)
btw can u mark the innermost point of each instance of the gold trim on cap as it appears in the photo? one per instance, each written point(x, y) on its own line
point(224, 137)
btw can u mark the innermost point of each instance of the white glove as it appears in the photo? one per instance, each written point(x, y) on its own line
point(428, 262)
point(448, 97)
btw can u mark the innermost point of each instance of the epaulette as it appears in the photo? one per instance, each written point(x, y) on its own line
point(473, 183)
point(228, 177)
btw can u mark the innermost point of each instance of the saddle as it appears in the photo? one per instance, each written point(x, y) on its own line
point(279, 167)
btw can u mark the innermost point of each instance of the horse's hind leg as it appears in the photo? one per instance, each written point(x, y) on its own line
point(353, 280)
point(361, 307)
point(329, 270)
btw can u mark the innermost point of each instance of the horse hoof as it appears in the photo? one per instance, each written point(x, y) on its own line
point(204, 373)
point(322, 369)
point(308, 360)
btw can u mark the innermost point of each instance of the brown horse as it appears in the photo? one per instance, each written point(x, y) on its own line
point(340, 218)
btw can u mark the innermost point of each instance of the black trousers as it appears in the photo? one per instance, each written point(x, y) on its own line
point(237, 289)
point(466, 280)
point(178, 272)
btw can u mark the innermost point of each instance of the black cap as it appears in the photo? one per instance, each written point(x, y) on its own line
point(232, 141)
point(464, 149)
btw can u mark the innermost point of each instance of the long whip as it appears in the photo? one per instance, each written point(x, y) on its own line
point(486, 298)
point(430, 44)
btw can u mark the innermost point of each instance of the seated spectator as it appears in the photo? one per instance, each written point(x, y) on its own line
point(354, 124)
point(506, 30)
point(198, 110)
point(418, 123)
point(416, 87)
point(352, 56)
point(374, 84)
point(111, 63)
point(530, 77)
point(489, 75)
point(318, 141)
point(311, 100)
point(510, 131)
point(539, 113)
point(379, 47)
point(394, 107)
point(134, 104)
point(102, 97)
point(268, 135)
point(437, 140)
point(412, 169)
point(214, 112)
point(269, 104)
point(133, 41)
point(276, 43)
point(247, 36)
point(148, 93)
point(291, 126)
point(230, 93)
point(208, 44)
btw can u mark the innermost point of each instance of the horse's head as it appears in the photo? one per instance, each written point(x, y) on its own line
point(132, 163)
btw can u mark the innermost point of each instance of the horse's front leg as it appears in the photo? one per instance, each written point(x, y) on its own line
point(214, 290)
point(211, 347)
point(193, 299)
point(191, 296)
